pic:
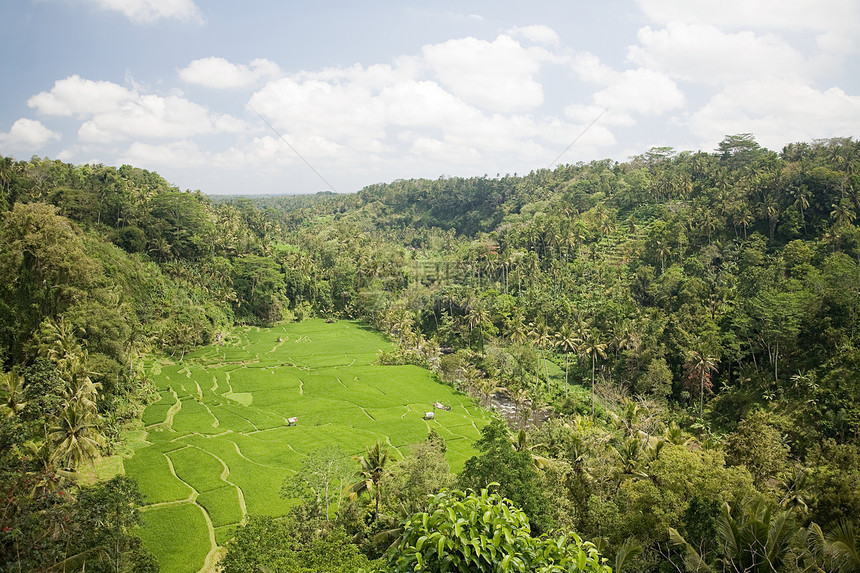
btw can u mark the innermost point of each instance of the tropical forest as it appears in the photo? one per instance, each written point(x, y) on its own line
point(641, 366)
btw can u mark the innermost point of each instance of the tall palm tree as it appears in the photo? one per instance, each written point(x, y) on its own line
point(700, 364)
point(519, 396)
point(591, 346)
point(370, 473)
point(568, 342)
point(75, 436)
point(59, 343)
point(80, 389)
point(479, 316)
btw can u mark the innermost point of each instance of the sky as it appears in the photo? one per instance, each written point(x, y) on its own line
point(280, 96)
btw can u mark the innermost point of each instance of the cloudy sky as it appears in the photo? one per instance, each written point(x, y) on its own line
point(296, 97)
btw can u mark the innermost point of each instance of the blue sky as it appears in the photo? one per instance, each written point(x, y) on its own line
point(374, 91)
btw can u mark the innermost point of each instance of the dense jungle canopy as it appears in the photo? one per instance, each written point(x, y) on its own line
point(691, 320)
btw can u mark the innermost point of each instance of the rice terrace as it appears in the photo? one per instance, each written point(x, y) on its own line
point(220, 441)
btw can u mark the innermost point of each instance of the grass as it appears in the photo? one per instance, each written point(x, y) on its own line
point(228, 438)
point(222, 504)
point(177, 535)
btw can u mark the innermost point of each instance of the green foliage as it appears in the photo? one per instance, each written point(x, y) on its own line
point(750, 537)
point(264, 544)
point(518, 480)
point(669, 276)
point(484, 532)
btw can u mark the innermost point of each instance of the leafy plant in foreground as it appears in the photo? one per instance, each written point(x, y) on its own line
point(478, 532)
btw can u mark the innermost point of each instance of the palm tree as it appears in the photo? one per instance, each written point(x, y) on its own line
point(591, 346)
point(800, 194)
point(12, 384)
point(479, 315)
point(836, 551)
point(542, 338)
point(751, 537)
point(370, 474)
point(520, 443)
point(519, 396)
point(59, 343)
point(568, 342)
point(843, 213)
point(701, 365)
point(80, 389)
point(75, 436)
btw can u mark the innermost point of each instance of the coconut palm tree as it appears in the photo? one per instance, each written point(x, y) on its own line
point(843, 213)
point(12, 385)
point(58, 343)
point(519, 396)
point(591, 346)
point(75, 436)
point(479, 316)
point(700, 364)
point(568, 342)
point(370, 473)
point(836, 551)
point(751, 538)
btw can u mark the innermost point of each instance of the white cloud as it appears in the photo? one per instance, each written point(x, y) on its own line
point(465, 105)
point(334, 110)
point(418, 110)
point(175, 154)
point(220, 73)
point(591, 69)
point(27, 134)
point(777, 112)
point(497, 75)
point(537, 33)
point(833, 21)
point(639, 90)
point(147, 11)
point(585, 114)
point(703, 53)
point(115, 113)
point(76, 96)
point(821, 15)
point(151, 116)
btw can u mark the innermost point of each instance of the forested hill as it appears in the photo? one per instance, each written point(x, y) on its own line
point(710, 300)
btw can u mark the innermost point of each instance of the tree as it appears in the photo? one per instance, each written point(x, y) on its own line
point(843, 213)
point(267, 545)
point(321, 475)
point(371, 473)
point(75, 436)
point(700, 365)
point(751, 538)
point(483, 532)
point(259, 284)
point(568, 342)
point(45, 270)
point(12, 385)
point(759, 446)
point(499, 462)
point(837, 551)
point(107, 515)
point(592, 347)
point(423, 472)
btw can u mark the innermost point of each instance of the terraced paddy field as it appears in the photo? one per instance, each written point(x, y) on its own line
point(218, 443)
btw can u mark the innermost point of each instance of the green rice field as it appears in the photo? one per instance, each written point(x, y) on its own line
point(218, 443)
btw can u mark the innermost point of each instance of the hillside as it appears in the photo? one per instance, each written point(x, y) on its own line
point(691, 318)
